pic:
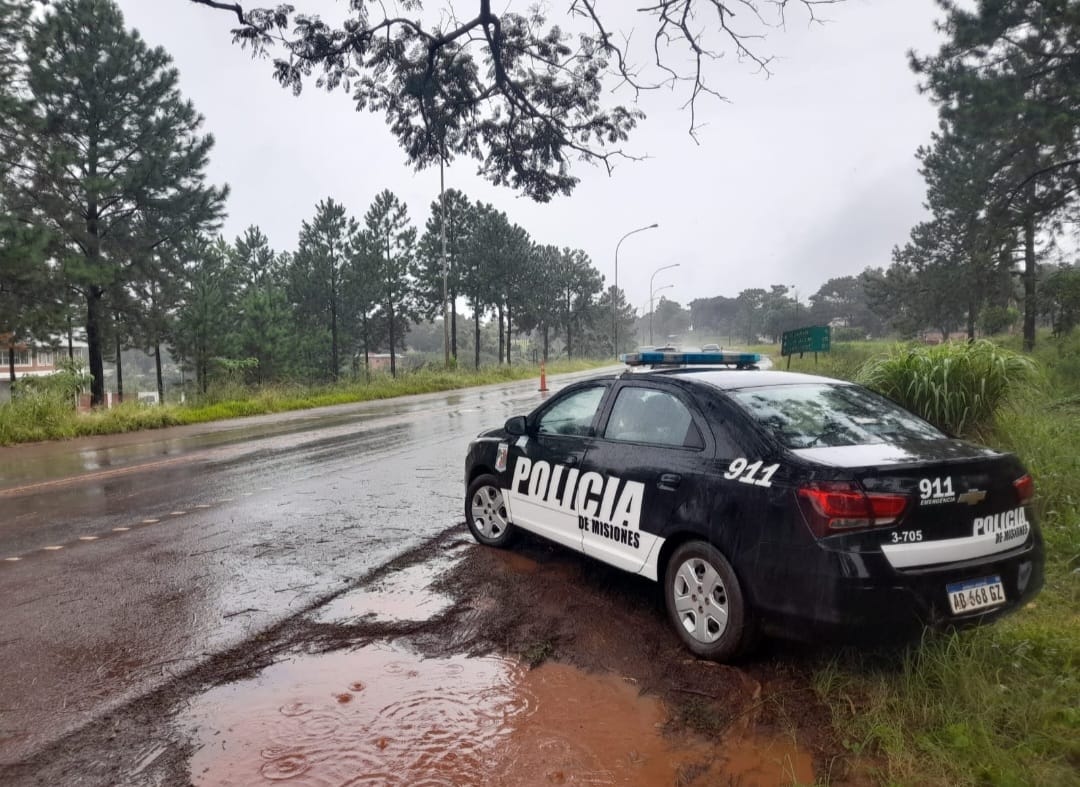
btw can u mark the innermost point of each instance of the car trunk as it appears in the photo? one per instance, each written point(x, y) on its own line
point(958, 493)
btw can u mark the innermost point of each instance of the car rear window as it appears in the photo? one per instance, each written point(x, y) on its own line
point(819, 414)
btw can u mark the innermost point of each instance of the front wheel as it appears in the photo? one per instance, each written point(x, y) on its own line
point(705, 602)
point(485, 512)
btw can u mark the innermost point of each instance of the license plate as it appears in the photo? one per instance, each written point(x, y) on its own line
point(975, 594)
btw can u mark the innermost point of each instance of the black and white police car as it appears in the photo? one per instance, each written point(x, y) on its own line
point(763, 500)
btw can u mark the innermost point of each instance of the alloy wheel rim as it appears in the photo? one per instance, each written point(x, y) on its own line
point(489, 512)
point(701, 600)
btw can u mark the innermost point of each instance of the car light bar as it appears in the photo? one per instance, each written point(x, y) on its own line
point(690, 359)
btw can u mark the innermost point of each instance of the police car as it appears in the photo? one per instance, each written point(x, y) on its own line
point(763, 500)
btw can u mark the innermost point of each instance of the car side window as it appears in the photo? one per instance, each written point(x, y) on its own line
point(572, 415)
point(645, 415)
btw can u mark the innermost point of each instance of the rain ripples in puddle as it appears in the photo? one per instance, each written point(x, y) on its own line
point(383, 716)
point(376, 716)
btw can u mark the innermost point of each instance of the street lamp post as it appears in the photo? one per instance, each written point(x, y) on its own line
point(652, 292)
point(615, 289)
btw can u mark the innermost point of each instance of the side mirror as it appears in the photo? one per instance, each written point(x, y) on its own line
point(516, 425)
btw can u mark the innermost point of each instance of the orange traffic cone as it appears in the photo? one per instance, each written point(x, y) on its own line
point(543, 378)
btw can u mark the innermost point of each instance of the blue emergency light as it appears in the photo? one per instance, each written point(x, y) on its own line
point(690, 359)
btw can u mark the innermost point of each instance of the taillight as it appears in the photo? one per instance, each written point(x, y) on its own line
point(1025, 489)
point(843, 507)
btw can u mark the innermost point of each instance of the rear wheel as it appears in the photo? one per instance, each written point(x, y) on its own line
point(705, 602)
point(485, 512)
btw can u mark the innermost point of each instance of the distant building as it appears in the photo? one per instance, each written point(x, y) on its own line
point(380, 362)
point(32, 361)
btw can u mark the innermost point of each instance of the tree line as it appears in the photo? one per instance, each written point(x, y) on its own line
point(107, 224)
point(1002, 174)
point(758, 313)
point(354, 288)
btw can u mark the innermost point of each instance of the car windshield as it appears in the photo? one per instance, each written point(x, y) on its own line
point(820, 414)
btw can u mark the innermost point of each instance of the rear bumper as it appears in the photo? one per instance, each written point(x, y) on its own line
point(856, 596)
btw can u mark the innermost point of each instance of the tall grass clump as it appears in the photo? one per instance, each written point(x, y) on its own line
point(1061, 357)
point(36, 415)
point(957, 387)
point(43, 408)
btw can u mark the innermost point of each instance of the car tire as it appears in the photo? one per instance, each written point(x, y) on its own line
point(485, 512)
point(705, 602)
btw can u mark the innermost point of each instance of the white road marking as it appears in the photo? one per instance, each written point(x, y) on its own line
point(177, 513)
point(247, 494)
point(12, 559)
point(88, 538)
point(150, 521)
point(202, 505)
point(53, 548)
point(121, 529)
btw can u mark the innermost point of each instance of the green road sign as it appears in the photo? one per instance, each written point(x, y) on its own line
point(814, 339)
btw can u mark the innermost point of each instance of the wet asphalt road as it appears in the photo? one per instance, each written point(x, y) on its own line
point(127, 560)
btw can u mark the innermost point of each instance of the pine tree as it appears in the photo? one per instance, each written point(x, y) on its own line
point(515, 257)
point(206, 321)
point(114, 163)
point(1007, 82)
point(479, 268)
point(751, 303)
point(393, 239)
point(540, 311)
point(265, 318)
point(362, 294)
point(598, 339)
point(579, 282)
point(459, 218)
point(317, 277)
point(30, 307)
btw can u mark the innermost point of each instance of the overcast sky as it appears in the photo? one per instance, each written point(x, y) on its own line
point(804, 175)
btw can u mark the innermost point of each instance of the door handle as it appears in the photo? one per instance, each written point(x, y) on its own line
point(669, 481)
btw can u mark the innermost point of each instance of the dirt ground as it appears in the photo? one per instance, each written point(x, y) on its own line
point(537, 604)
point(539, 601)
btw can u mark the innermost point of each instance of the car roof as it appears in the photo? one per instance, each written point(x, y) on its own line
point(734, 379)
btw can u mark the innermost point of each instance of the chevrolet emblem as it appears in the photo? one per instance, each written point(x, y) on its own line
point(971, 497)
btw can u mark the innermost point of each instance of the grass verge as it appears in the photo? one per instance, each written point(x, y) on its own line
point(998, 705)
point(43, 417)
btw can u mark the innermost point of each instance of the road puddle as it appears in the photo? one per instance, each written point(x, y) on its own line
point(518, 562)
point(750, 762)
point(402, 595)
point(408, 721)
point(384, 716)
